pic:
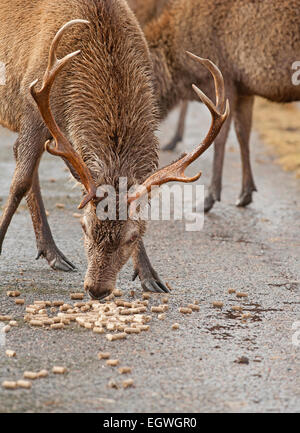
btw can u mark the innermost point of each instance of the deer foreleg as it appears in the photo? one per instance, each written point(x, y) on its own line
point(149, 278)
point(44, 239)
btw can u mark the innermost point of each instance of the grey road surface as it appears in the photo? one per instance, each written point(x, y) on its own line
point(196, 368)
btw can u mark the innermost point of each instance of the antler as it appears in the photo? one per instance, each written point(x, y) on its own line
point(62, 146)
point(175, 171)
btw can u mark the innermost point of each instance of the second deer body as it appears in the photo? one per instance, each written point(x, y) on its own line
point(255, 44)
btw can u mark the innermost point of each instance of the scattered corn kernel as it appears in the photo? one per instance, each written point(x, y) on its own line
point(175, 326)
point(98, 330)
point(237, 308)
point(13, 323)
point(103, 355)
point(110, 326)
point(241, 295)
point(246, 316)
point(7, 384)
point(157, 309)
point(24, 384)
point(113, 384)
point(194, 307)
point(79, 304)
point(144, 327)
point(13, 293)
point(48, 322)
point(57, 326)
point(59, 370)
point(10, 353)
point(118, 336)
point(112, 362)
point(57, 303)
point(77, 296)
point(19, 301)
point(185, 310)
point(128, 383)
point(128, 304)
point(119, 302)
point(34, 322)
point(118, 293)
point(42, 373)
point(30, 375)
point(132, 330)
point(88, 325)
point(125, 370)
point(218, 304)
point(5, 318)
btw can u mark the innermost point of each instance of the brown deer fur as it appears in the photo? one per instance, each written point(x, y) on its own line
point(103, 101)
point(254, 43)
point(146, 11)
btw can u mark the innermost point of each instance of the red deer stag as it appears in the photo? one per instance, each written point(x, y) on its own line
point(91, 103)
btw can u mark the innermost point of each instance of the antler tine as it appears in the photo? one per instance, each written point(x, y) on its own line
point(175, 171)
point(218, 79)
point(63, 147)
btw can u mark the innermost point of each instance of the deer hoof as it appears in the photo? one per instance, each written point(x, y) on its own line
point(150, 285)
point(56, 259)
point(61, 265)
point(209, 203)
point(244, 199)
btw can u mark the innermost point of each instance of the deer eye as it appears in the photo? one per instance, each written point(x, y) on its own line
point(132, 238)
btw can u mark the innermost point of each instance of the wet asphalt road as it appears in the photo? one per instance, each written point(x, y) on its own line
point(254, 250)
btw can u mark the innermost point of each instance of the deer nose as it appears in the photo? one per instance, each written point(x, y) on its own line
point(96, 291)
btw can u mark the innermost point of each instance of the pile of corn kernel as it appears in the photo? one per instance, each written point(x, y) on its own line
point(116, 318)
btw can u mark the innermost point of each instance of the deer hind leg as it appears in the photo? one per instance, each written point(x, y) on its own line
point(44, 239)
point(215, 188)
point(150, 281)
point(243, 122)
point(178, 137)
